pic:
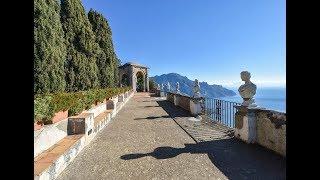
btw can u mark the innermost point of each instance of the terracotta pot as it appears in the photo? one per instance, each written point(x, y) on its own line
point(37, 126)
point(59, 116)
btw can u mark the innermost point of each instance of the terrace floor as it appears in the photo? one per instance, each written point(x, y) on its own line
point(151, 138)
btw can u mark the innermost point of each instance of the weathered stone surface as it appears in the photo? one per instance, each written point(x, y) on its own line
point(120, 97)
point(81, 124)
point(245, 124)
point(49, 135)
point(271, 131)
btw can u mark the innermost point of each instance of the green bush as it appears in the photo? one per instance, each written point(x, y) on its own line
point(75, 102)
point(43, 110)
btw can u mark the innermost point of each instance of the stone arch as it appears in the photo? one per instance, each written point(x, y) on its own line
point(132, 70)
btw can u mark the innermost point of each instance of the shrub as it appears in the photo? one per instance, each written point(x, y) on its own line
point(75, 102)
point(43, 110)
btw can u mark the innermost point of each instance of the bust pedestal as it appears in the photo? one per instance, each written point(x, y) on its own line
point(245, 124)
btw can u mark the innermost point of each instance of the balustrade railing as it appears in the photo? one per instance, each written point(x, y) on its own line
point(221, 111)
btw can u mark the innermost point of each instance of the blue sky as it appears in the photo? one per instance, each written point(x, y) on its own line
point(211, 40)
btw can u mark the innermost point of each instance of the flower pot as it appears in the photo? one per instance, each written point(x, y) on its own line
point(37, 126)
point(59, 116)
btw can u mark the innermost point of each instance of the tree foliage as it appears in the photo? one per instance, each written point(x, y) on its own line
point(73, 51)
point(49, 47)
point(82, 50)
point(108, 63)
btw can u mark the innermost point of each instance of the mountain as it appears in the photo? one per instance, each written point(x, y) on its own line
point(207, 90)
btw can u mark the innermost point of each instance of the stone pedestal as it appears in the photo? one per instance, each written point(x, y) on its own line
point(81, 124)
point(176, 100)
point(195, 107)
point(162, 94)
point(245, 124)
point(121, 98)
point(110, 104)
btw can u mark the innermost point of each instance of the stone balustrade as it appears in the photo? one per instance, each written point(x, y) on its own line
point(252, 125)
point(261, 126)
point(191, 104)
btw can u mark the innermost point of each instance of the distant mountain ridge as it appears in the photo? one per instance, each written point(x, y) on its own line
point(207, 90)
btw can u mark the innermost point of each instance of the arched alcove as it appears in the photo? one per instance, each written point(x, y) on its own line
point(134, 75)
point(140, 82)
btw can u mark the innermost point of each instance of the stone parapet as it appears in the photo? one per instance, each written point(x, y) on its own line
point(191, 104)
point(261, 126)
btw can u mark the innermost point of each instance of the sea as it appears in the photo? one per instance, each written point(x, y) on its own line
point(273, 98)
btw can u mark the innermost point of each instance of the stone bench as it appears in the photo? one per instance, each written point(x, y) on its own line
point(50, 163)
point(69, 137)
point(101, 120)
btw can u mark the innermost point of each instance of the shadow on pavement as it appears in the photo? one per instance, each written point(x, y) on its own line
point(236, 159)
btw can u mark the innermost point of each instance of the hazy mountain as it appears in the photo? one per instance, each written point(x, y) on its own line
point(207, 90)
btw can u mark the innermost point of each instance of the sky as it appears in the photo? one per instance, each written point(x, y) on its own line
point(208, 40)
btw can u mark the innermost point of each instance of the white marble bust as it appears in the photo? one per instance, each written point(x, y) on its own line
point(177, 87)
point(196, 89)
point(168, 86)
point(247, 90)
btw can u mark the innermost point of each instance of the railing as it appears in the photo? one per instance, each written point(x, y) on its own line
point(221, 111)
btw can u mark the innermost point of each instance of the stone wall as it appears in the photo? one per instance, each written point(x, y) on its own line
point(170, 97)
point(264, 127)
point(186, 102)
point(183, 101)
point(271, 130)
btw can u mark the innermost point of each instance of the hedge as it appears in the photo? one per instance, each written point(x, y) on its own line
point(46, 105)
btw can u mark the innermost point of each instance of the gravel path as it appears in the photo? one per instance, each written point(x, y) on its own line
point(141, 142)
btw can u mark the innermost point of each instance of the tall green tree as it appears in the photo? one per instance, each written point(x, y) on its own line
point(108, 67)
point(49, 48)
point(82, 50)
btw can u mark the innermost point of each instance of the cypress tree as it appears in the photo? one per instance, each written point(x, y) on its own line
point(49, 47)
point(108, 67)
point(82, 50)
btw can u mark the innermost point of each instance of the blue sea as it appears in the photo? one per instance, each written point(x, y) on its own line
point(270, 98)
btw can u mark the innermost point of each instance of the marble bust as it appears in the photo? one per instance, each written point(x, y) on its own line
point(177, 87)
point(196, 88)
point(247, 90)
point(168, 86)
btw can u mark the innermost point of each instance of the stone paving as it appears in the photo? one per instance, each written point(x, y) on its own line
point(152, 139)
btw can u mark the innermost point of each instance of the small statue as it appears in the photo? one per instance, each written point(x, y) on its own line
point(158, 87)
point(162, 86)
point(168, 87)
point(196, 89)
point(247, 90)
point(177, 88)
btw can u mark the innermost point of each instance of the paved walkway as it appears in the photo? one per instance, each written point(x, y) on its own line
point(148, 140)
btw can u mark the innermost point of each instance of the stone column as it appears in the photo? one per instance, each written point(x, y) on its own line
point(175, 99)
point(134, 83)
point(147, 82)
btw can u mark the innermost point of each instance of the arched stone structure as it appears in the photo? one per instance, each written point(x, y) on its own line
point(133, 71)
